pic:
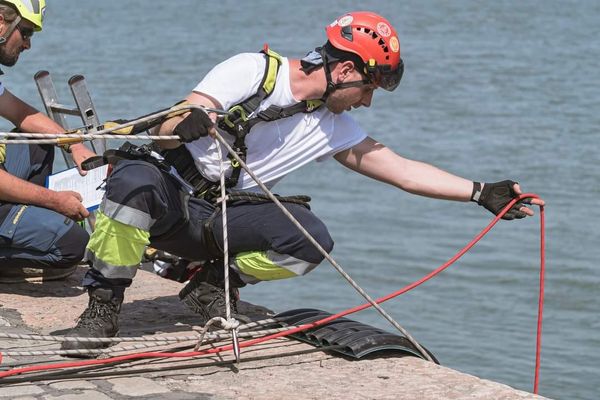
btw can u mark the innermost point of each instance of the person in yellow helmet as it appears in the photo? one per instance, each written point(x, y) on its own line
point(34, 232)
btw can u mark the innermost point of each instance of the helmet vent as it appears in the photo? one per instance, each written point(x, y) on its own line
point(375, 36)
point(347, 33)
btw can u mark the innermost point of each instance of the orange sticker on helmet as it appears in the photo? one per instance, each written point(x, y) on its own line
point(384, 29)
point(394, 44)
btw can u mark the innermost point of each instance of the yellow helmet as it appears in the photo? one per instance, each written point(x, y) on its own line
point(30, 10)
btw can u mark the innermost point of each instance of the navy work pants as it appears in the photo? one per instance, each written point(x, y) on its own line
point(32, 236)
point(178, 221)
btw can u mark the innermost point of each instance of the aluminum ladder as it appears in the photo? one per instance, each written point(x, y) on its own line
point(84, 107)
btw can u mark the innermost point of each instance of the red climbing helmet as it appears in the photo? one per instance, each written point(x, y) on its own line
point(375, 41)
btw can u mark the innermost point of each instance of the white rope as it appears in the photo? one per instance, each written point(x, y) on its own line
point(106, 132)
point(223, 202)
point(54, 338)
point(84, 136)
point(230, 323)
point(34, 353)
point(209, 338)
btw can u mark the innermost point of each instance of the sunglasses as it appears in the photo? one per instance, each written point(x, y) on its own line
point(384, 76)
point(26, 33)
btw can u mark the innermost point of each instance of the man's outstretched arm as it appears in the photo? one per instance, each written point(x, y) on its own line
point(377, 161)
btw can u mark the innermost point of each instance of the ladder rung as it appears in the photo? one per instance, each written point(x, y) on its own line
point(64, 109)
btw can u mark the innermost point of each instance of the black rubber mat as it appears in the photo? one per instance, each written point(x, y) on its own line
point(351, 338)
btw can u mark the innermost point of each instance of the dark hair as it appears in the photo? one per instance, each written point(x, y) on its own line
point(334, 54)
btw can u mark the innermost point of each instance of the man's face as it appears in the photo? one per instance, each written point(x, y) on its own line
point(344, 99)
point(352, 97)
point(18, 41)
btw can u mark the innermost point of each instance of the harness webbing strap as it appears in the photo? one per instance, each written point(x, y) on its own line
point(243, 116)
point(181, 159)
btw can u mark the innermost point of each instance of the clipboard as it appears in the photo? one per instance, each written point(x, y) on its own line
point(90, 186)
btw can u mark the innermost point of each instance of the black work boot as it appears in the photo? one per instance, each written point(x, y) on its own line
point(100, 319)
point(205, 294)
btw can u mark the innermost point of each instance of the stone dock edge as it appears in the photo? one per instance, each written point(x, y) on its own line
point(279, 369)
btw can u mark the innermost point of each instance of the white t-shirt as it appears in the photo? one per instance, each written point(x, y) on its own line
point(1, 89)
point(274, 148)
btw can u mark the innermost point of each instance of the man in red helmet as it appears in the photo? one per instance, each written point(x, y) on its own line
point(283, 114)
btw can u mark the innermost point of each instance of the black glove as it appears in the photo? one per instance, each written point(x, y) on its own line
point(495, 196)
point(195, 125)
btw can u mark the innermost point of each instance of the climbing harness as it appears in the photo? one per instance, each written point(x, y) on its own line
point(243, 116)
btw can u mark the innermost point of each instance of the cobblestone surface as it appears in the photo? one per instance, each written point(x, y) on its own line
point(280, 369)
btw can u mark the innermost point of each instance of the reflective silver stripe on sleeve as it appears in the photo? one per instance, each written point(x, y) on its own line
point(296, 265)
point(127, 215)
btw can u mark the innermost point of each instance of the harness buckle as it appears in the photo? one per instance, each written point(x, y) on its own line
point(236, 116)
point(272, 113)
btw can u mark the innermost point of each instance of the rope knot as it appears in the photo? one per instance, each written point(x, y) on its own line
point(230, 324)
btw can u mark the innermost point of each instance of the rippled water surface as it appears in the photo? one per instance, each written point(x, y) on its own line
point(492, 90)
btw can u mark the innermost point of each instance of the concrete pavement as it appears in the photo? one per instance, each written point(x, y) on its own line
point(279, 369)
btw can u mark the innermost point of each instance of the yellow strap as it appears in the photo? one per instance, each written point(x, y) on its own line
point(273, 63)
point(62, 141)
point(133, 128)
point(176, 113)
point(312, 105)
point(122, 131)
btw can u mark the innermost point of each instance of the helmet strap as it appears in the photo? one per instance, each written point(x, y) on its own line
point(360, 83)
point(330, 85)
point(10, 30)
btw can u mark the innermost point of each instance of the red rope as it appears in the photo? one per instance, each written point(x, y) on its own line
point(538, 341)
point(323, 321)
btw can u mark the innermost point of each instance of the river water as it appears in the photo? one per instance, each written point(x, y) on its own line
point(491, 91)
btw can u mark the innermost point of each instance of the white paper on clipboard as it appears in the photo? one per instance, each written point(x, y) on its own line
point(90, 186)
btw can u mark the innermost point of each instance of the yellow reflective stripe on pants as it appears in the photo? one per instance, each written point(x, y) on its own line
point(255, 266)
point(115, 245)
